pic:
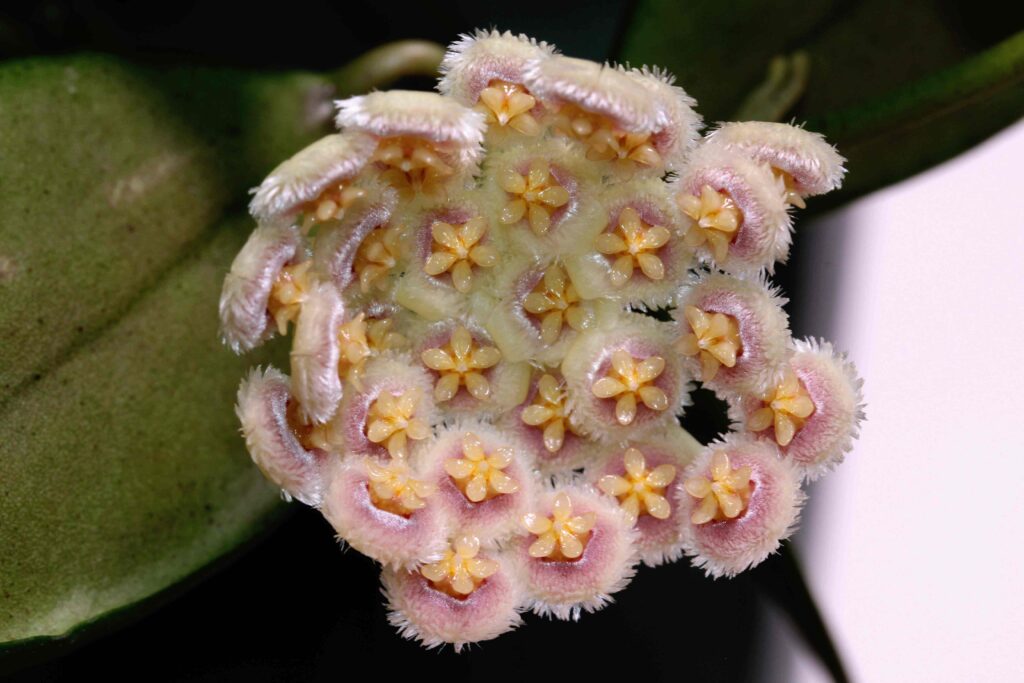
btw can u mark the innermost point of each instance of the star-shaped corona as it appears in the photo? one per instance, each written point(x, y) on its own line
point(393, 488)
point(478, 398)
point(549, 413)
point(633, 243)
point(481, 475)
point(456, 251)
point(461, 362)
point(555, 302)
point(786, 407)
point(561, 536)
point(631, 381)
point(640, 491)
point(715, 337)
point(392, 422)
point(725, 495)
point(533, 195)
point(715, 217)
point(460, 571)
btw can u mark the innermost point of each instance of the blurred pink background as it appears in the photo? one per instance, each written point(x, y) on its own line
point(915, 546)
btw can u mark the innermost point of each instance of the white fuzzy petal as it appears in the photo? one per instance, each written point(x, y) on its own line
point(306, 175)
point(244, 321)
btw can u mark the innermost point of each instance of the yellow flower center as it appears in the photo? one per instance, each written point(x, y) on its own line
point(376, 256)
point(629, 380)
point(460, 571)
point(603, 139)
point(716, 218)
point(287, 293)
point(786, 407)
point(641, 491)
point(331, 204)
point(480, 475)
point(555, 301)
point(361, 338)
point(632, 243)
point(412, 164)
point(457, 251)
point(793, 197)
point(326, 436)
point(549, 412)
point(534, 195)
point(562, 536)
point(715, 336)
point(393, 489)
point(724, 496)
point(391, 420)
point(459, 363)
point(509, 104)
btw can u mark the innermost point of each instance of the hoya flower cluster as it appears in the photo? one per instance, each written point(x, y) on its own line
point(477, 399)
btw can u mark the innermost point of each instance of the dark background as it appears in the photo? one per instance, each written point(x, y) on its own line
point(296, 608)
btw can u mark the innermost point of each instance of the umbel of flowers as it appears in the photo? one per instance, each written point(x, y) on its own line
point(474, 400)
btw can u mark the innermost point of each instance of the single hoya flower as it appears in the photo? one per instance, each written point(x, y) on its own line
point(642, 477)
point(625, 381)
point(742, 501)
point(737, 211)
point(479, 400)
point(733, 332)
point(634, 120)
point(487, 70)
point(813, 412)
point(484, 478)
point(465, 596)
point(265, 287)
point(632, 246)
point(579, 551)
point(471, 376)
point(383, 509)
point(539, 188)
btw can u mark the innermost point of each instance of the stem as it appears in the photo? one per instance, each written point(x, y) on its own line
point(388, 63)
point(785, 83)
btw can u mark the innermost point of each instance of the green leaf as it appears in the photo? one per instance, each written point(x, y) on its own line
point(897, 87)
point(110, 175)
point(121, 208)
